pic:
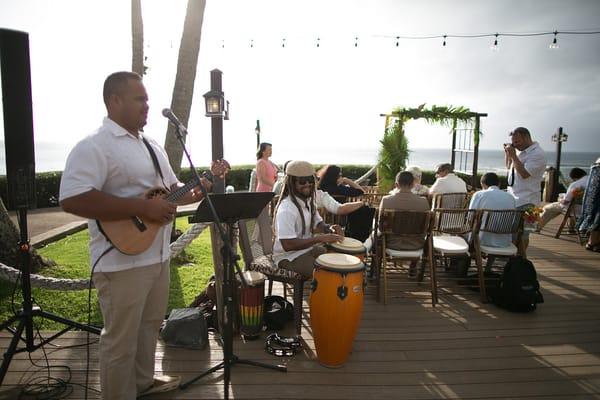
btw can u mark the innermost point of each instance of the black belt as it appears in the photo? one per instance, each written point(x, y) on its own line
point(282, 346)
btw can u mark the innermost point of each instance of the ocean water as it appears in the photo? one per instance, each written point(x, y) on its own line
point(52, 157)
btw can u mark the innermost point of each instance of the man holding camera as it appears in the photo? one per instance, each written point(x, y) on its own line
point(525, 170)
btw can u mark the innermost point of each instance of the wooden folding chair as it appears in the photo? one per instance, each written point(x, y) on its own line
point(449, 201)
point(258, 256)
point(571, 215)
point(499, 222)
point(451, 230)
point(406, 224)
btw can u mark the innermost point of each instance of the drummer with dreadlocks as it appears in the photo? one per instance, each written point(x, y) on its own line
point(296, 220)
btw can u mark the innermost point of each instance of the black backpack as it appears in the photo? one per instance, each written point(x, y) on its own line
point(518, 289)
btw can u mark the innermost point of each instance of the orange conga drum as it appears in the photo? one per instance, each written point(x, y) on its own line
point(348, 246)
point(336, 303)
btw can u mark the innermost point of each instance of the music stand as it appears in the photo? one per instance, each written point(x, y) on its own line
point(231, 207)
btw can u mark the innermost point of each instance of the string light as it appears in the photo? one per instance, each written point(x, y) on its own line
point(494, 47)
point(445, 37)
point(554, 44)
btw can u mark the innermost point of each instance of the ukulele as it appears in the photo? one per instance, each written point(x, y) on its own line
point(135, 235)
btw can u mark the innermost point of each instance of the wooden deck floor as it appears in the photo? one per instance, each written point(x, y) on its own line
point(461, 349)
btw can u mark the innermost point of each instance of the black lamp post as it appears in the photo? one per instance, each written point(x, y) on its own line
point(559, 137)
point(215, 109)
point(257, 131)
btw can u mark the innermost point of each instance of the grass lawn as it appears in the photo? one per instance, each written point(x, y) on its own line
point(189, 273)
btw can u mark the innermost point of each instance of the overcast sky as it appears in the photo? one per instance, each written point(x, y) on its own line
point(330, 96)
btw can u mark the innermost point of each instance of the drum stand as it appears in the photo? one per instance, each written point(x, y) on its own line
point(230, 208)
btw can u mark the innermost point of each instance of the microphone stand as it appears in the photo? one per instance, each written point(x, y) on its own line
point(230, 261)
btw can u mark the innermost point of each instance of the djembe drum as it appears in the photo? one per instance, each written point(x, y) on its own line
point(348, 246)
point(336, 303)
point(252, 298)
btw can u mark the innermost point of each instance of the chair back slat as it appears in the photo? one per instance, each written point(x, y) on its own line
point(453, 221)
point(500, 221)
point(449, 200)
point(405, 223)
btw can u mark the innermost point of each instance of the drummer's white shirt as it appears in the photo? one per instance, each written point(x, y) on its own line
point(288, 225)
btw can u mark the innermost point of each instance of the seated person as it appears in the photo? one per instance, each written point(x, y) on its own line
point(296, 217)
point(446, 181)
point(404, 199)
point(333, 182)
point(418, 189)
point(491, 197)
point(552, 210)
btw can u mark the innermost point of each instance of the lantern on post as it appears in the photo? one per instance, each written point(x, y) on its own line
point(215, 103)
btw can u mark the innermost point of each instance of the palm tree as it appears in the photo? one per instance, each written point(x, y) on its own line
point(137, 38)
point(183, 91)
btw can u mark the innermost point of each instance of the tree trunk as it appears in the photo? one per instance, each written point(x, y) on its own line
point(137, 38)
point(183, 91)
point(9, 241)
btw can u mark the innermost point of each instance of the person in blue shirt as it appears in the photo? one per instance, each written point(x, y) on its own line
point(491, 197)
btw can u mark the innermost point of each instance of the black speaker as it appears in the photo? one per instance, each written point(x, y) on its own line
point(18, 118)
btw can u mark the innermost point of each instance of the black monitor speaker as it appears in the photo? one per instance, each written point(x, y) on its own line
point(18, 118)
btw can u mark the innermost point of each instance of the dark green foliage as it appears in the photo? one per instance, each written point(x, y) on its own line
point(393, 154)
point(48, 183)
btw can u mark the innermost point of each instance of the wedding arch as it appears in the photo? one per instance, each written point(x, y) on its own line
point(465, 127)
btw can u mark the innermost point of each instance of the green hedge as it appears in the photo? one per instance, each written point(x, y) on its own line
point(48, 183)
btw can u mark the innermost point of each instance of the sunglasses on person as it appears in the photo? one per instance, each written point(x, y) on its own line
point(303, 180)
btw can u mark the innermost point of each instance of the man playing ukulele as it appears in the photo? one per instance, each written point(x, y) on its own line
point(104, 178)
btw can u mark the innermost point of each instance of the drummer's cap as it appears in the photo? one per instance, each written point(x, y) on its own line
point(299, 168)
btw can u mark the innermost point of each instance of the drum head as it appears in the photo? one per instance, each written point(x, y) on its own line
point(349, 244)
point(253, 278)
point(339, 262)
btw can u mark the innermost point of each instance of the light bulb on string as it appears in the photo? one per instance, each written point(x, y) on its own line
point(494, 47)
point(318, 42)
point(397, 41)
point(251, 43)
point(444, 44)
point(554, 44)
point(356, 42)
point(283, 42)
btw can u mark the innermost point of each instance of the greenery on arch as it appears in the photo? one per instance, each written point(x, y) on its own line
point(394, 151)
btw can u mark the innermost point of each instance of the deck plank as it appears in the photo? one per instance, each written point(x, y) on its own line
point(460, 349)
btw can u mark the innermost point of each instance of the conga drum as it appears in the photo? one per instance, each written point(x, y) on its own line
point(252, 299)
point(336, 303)
point(348, 246)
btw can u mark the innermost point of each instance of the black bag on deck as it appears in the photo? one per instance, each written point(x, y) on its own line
point(519, 289)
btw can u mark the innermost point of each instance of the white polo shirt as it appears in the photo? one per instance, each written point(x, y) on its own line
point(527, 191)
point(115, 162)
point(448, 184)
point(289, 226)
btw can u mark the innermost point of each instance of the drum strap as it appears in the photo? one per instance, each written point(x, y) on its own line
point(282, 346)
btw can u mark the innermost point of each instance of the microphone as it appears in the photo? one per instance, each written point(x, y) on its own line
point(167, 113)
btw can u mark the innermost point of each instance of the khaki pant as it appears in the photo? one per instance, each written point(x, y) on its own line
point(305, 263)
point(550, 212)
point(133, 304)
